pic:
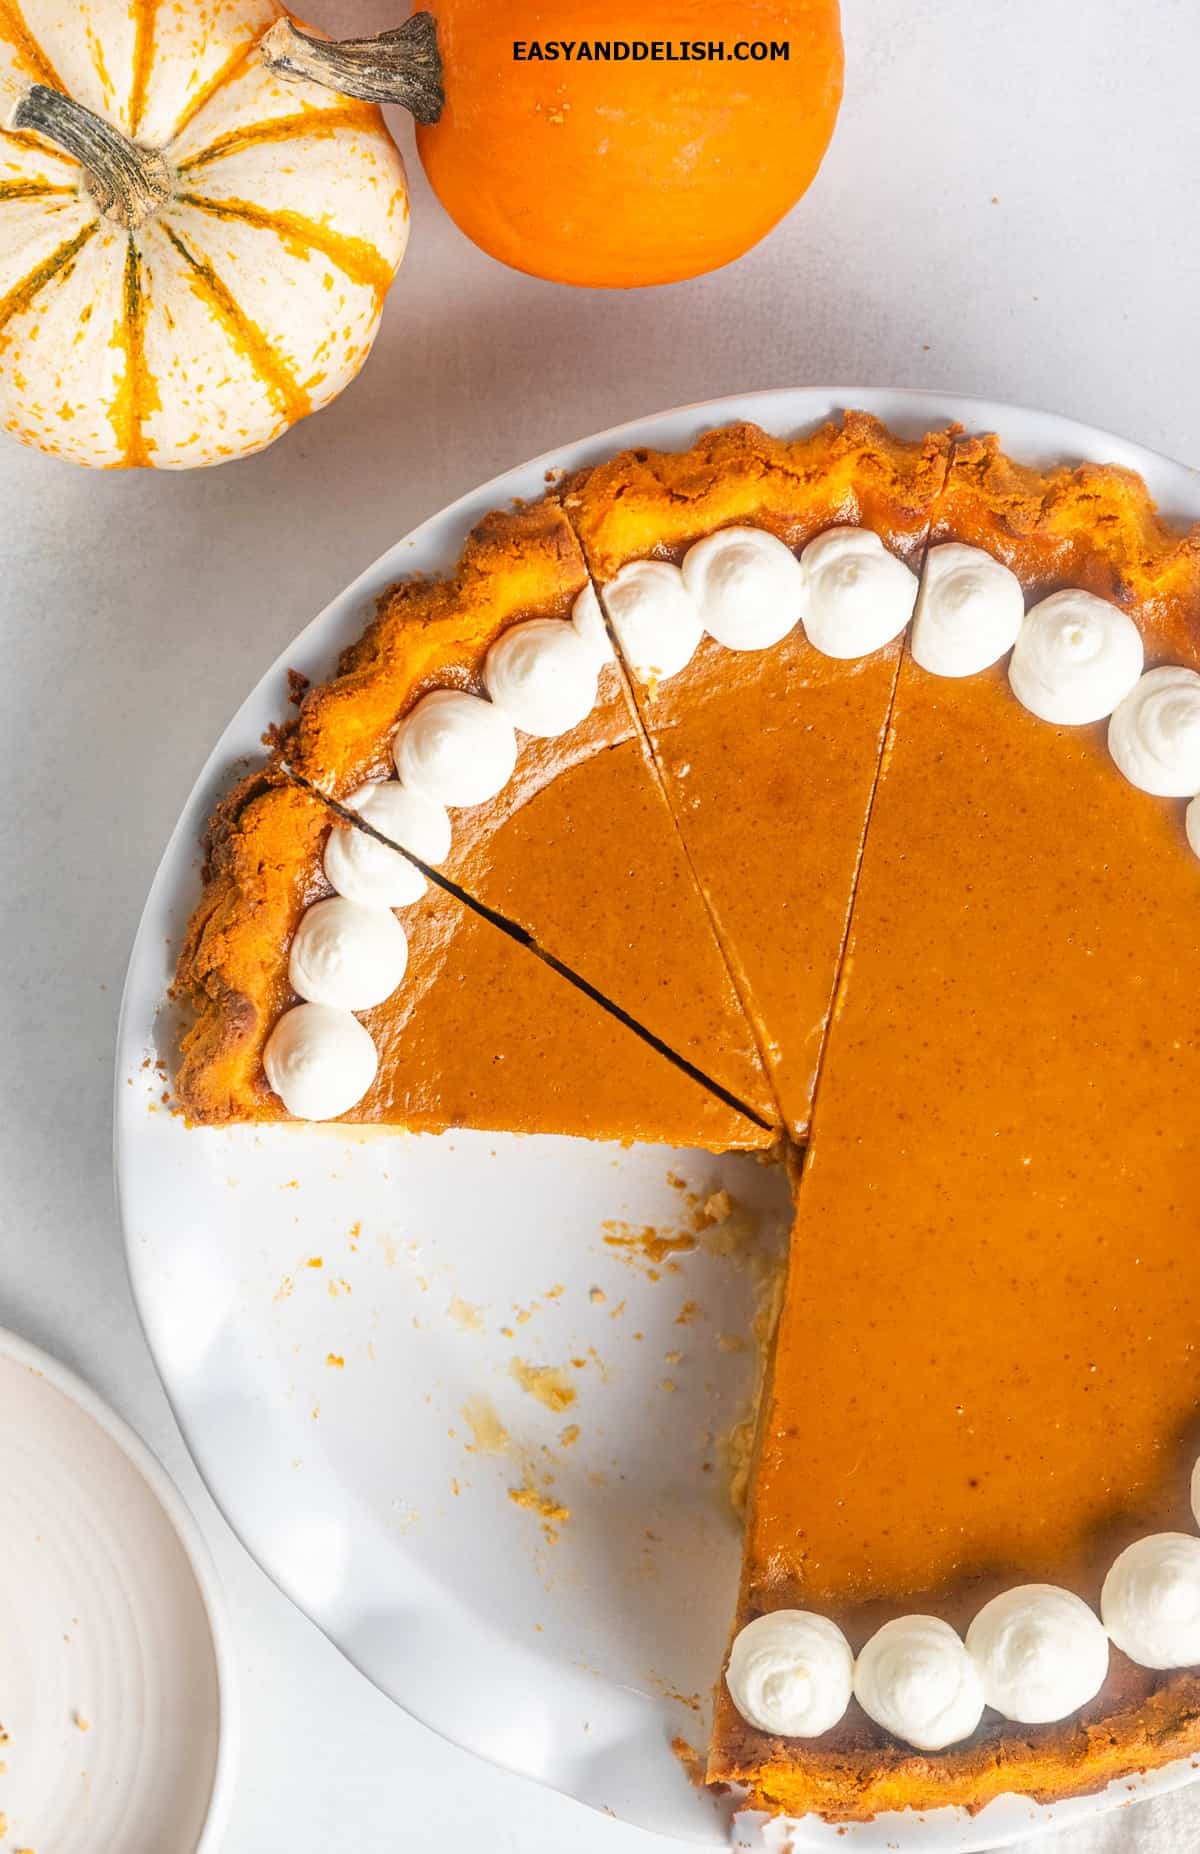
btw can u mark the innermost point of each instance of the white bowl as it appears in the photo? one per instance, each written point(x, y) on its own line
point(575, 1661)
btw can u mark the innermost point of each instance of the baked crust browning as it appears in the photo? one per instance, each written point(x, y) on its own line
point(262, 867)
point(432, 633)
point(1089, 525)
point(645, 503)
point(1138, 1722)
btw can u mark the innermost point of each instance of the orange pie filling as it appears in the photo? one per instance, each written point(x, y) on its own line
point(768, 745)
point(929, 903)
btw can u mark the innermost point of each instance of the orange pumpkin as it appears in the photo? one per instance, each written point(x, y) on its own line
point(618, 171)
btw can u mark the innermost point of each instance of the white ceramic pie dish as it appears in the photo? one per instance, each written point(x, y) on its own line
point(261, 1258)
point(118, 1700)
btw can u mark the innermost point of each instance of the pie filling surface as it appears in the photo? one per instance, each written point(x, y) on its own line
point(929, 927)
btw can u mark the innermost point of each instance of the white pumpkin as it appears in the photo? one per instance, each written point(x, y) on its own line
point(182, 291)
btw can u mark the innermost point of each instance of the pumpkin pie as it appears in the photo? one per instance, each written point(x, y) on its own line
point(986, 1371)
point(480, 1033)
point(576, 846)
point(930, 887)
point(768, 749)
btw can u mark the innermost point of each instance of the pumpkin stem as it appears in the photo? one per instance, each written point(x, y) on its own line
point(126, 181)
point(401, 66)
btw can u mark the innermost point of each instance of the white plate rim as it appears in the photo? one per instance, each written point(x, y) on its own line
point(1029, 433)
point(60, 1377)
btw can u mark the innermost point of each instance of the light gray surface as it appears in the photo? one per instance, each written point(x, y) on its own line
point(1008, 209)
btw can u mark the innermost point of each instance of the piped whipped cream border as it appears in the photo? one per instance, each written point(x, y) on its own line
point(1035, 1653)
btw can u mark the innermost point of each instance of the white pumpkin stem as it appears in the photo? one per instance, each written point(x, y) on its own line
point(126, 181)
point(402, 66)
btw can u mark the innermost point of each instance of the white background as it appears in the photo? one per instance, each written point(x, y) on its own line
point(1009, 208)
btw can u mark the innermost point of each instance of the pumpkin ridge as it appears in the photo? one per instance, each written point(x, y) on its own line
point(244, 335)
point(96, 51)
point(145, 17)
point(22, 138)
point(23, 292)
point(356, 257)
point(138, 392)
point(14, 28)
point(33, 190)
point(225, 73)
point(352, 115)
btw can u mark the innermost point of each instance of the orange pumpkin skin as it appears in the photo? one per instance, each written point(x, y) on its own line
point(621, 174)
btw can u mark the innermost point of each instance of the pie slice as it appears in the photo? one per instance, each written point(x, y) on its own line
point(768, 742)
point(559, 822)
point(986, 1372)
point(479, 1032)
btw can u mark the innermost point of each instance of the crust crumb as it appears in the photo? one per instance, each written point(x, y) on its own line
point(716, 1208)
point(646, 1247)
point(696, 1767)
point(545, 1382)
point(549, 1510)
point(488, 1434)
point(464, 1315)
